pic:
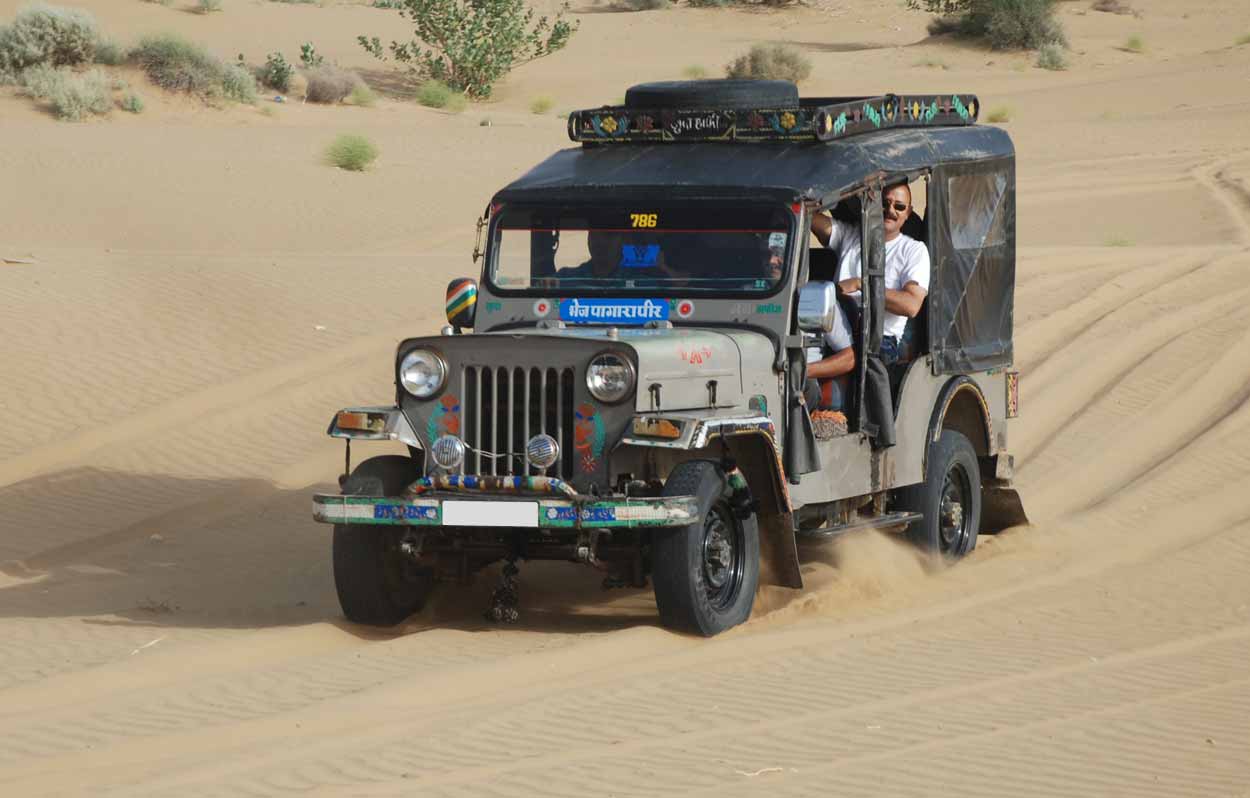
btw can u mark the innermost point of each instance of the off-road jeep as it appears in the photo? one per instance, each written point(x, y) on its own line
point(632, 396)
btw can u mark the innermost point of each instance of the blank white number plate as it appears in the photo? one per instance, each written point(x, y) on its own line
point(457, 513)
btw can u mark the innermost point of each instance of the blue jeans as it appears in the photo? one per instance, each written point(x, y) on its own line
point(891, 350)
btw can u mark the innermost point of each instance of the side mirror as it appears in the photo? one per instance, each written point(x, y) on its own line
point(818, 302)
point(461, 302)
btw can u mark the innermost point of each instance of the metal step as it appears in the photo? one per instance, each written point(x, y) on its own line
point(879, 522)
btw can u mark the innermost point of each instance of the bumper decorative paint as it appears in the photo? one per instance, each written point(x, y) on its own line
point(552, 513)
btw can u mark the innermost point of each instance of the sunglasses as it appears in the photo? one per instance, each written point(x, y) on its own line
point(899, 207)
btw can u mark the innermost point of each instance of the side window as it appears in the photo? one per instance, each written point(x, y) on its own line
point(976, 210)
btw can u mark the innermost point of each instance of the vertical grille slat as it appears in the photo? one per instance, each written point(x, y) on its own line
point(505, 406)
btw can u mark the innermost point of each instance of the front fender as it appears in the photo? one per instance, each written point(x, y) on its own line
point(373, 424)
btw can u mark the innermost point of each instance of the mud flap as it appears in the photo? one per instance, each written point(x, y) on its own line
point(779, 552)
point(1001, 509)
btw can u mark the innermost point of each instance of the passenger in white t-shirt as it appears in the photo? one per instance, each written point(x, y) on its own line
point(906, 264)
point(828, 365)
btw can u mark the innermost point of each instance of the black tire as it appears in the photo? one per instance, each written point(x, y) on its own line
point(377, 584)
point(949, 499)
point(696, 590)
point(720, 93)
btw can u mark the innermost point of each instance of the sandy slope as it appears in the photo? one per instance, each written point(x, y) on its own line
point(206, 294)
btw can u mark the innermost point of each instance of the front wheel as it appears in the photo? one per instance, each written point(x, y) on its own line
point(705, 574)
point(378, 583)
point(949, 499)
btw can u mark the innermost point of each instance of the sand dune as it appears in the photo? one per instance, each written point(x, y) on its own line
point(198, 293)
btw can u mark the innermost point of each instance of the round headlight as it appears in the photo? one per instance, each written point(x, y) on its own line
point(610, 377)
point(448, 452)
point(542, 451)
point(422, 373)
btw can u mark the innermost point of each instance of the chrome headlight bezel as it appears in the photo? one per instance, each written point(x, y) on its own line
point(423, 388)
point(595, 384)
point(448, 452)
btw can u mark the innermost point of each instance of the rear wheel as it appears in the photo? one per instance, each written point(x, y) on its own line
point(949, 498)
point(378, 583)
point(705, 574)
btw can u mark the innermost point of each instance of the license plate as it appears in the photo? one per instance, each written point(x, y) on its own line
point(459, 513)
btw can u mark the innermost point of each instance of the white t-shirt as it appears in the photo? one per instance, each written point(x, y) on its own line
point(837, 339)
point(906, 261)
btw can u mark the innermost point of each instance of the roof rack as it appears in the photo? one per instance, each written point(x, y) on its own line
point(819, 119)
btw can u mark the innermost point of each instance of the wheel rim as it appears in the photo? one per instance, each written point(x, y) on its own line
point(953, 518)
point(723, 545)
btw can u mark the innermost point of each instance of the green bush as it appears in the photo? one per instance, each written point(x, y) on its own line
point(1135, 44)
point(471, 44)
point(1242, 39)
point(694, 72)
point(1005, 24)
point(73, 97)
point(110, 53)
point(238, 84)
point(208, 6)
point(309, 57)
point(132, 103)
point(708, 3)
point(541, 105)
point(41, 80)
point(175, 64)
point(1052, 57)
point(998, 115)
point(351, 152)
point(641, 5)
point(771, 62)
point(330, 84)
point(362, 95)
point(437, 94)
point(276, 73)
point(43, 34)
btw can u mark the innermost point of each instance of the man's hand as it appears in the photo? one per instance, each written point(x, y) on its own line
point(850, 285)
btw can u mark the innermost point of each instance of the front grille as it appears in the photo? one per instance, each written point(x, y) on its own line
point(505, 406)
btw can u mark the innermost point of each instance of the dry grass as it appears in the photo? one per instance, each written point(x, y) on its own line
point(541, 105)
point(998, 115)
point(1134, 44)
point(351, 152)
point(330, 84)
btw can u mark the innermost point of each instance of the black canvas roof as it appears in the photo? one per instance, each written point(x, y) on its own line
point(786, 171)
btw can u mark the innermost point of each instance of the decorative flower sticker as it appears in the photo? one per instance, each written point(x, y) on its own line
point(646, 124)
point(787, 120)
point(609, 125)
point(755, 120)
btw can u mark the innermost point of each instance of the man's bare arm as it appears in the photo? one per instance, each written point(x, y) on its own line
point(822, 228)
point(906, 302)
point(835, 365)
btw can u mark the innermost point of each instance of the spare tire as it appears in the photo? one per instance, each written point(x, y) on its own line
point(722, 93)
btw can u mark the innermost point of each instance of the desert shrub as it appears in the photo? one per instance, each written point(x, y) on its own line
point(238, 84)
point(694, 72)
point(351, 152)
point(175, 64)
point(109, 53)
point(1005, 24)
point(931, 63)
point(41, 80)
point(74, 97)
point(641, 5)
point(387, 3)
point(362, 95)
point(771, 62)
point(1112, 6)
point(132, 103)
point(309, 57)
point(1052, 57)
point(43, 34)
point(998, 115)
point(437, 94)
point(471, 44)
point(276, 73)
point(330, 84)
point(708, 3)
point(1135, 44)
point(1242, 39)
point(208, 6)
point(541, 105)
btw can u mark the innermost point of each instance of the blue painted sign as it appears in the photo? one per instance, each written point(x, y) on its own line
point(613, 311)
point(404, 512)
point(642, 257)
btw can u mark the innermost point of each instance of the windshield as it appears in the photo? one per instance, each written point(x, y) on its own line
point(645, 248)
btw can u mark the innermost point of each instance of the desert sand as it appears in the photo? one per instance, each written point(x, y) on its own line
point(190, 293)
